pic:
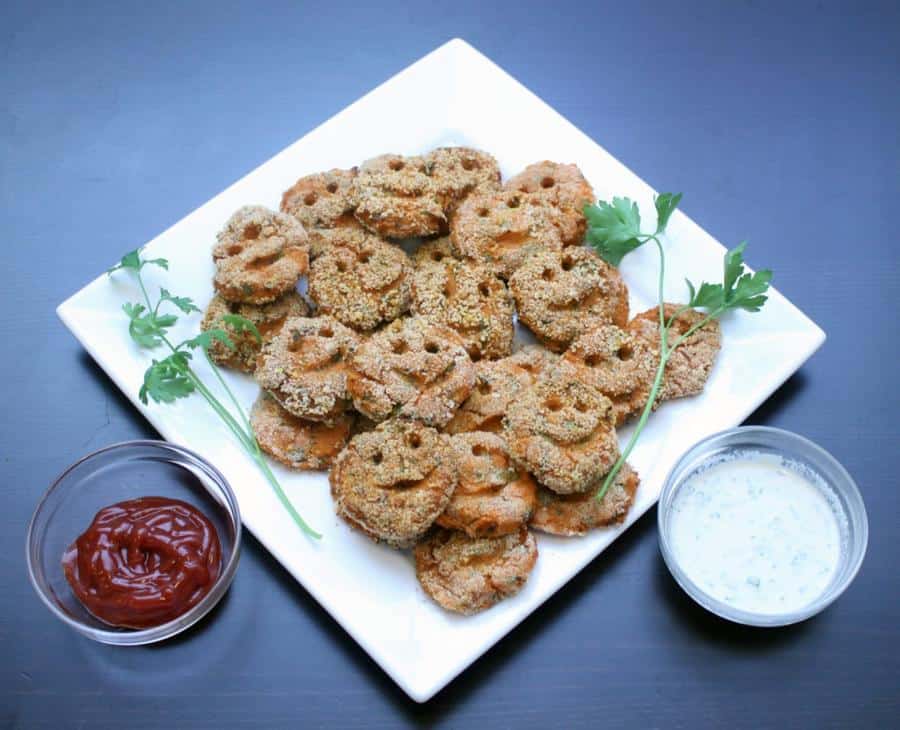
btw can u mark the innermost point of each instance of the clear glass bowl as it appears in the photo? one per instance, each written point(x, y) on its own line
point(841, 492)
point(126, 471)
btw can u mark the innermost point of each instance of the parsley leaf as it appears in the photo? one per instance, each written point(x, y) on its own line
point(614, 229)
point(166, 380)
point(146, 328)
point(241, 324)
point(665, 205)
point(740, 289)
point(185, 304)
point(205, 339)
point(133, 261)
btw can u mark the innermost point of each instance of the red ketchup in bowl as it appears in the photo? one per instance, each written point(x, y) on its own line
point(144, 562)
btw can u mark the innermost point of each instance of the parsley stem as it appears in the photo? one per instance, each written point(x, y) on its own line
point(241, 431)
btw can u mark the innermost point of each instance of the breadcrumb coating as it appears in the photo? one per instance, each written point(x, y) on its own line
point(393, 482)
point(467, 575)
point(305, 367)
point(259, 255)
point(578, 514)
point(561, 294)
point(464, 296)
point(412, 368)
point(494, 496)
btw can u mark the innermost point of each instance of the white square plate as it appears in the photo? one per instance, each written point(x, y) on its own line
point(371, 590)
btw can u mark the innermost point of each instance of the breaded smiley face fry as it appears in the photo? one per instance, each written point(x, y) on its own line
point(560, 294)
point(497, 384)
point(268, 319)
point(295, 442)
point(412, 368)
point(467, 575)
point(617, 363)
point(464, 296)
point(494, 496)
point(321, 202)
point(689, 366)
point(457, 171)
point(562, 430)
point(393, 482)
point(578, 514)
point(563, 189)
point(501, 229)
point(361, 287)
point(259, 255)
point(395, 197)
point(305, 367)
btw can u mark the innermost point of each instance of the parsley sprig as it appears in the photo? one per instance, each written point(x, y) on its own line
point(171, 378)
point(614, 230)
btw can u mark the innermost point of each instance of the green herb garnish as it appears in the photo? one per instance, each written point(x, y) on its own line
point(614, 230)
point(171, 378)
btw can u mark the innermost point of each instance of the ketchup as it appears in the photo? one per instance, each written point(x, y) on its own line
point(144, 562)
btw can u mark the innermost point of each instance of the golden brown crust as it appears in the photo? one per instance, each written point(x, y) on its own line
point(578, 514)
point(295, 442)
point(393, 482)
point(305, 367)
point(395, 197)
point(617, 363)
point(501, 229)
point(562, 431)
point(467, 575)
point(321, 199)
point(497, 383)
point(560, 294)
point(259, 255)
point(563, 189)
point(412, 368)
point(361, 287)
point(689, 366)
point(457, 171)
point(268, 319)
point(464, 296)
point(494, 496)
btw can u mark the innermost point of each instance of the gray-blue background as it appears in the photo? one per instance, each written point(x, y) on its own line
point(780, 123)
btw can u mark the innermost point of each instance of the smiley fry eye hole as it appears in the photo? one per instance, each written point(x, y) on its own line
point(342, 266)
point(332, 187)
point(567, 263)
point(482, 212)
point(432, 347)
point(514, 202)
point(326, 332)
point(414, 441)
point(251, 232)
point(625, 352)
point(548, 182)
point(484, 289)
point(468, 164)
point(553, 404)
point(548, 274)
point(581, 406)
point(398, 347)
point(396, 164)
point(592, 361)
point(479, 450)
point(310, 198)
point(437, 255)
point(364, 257)
point(234, 250)
point(484, 387)
point(377, 457)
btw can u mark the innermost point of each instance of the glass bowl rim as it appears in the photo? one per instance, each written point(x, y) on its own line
point(844, 484)
point(152, 634)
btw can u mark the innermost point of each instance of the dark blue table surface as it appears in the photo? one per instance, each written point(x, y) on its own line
point(779, 121)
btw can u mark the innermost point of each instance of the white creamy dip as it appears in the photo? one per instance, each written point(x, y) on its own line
point(755, 534)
